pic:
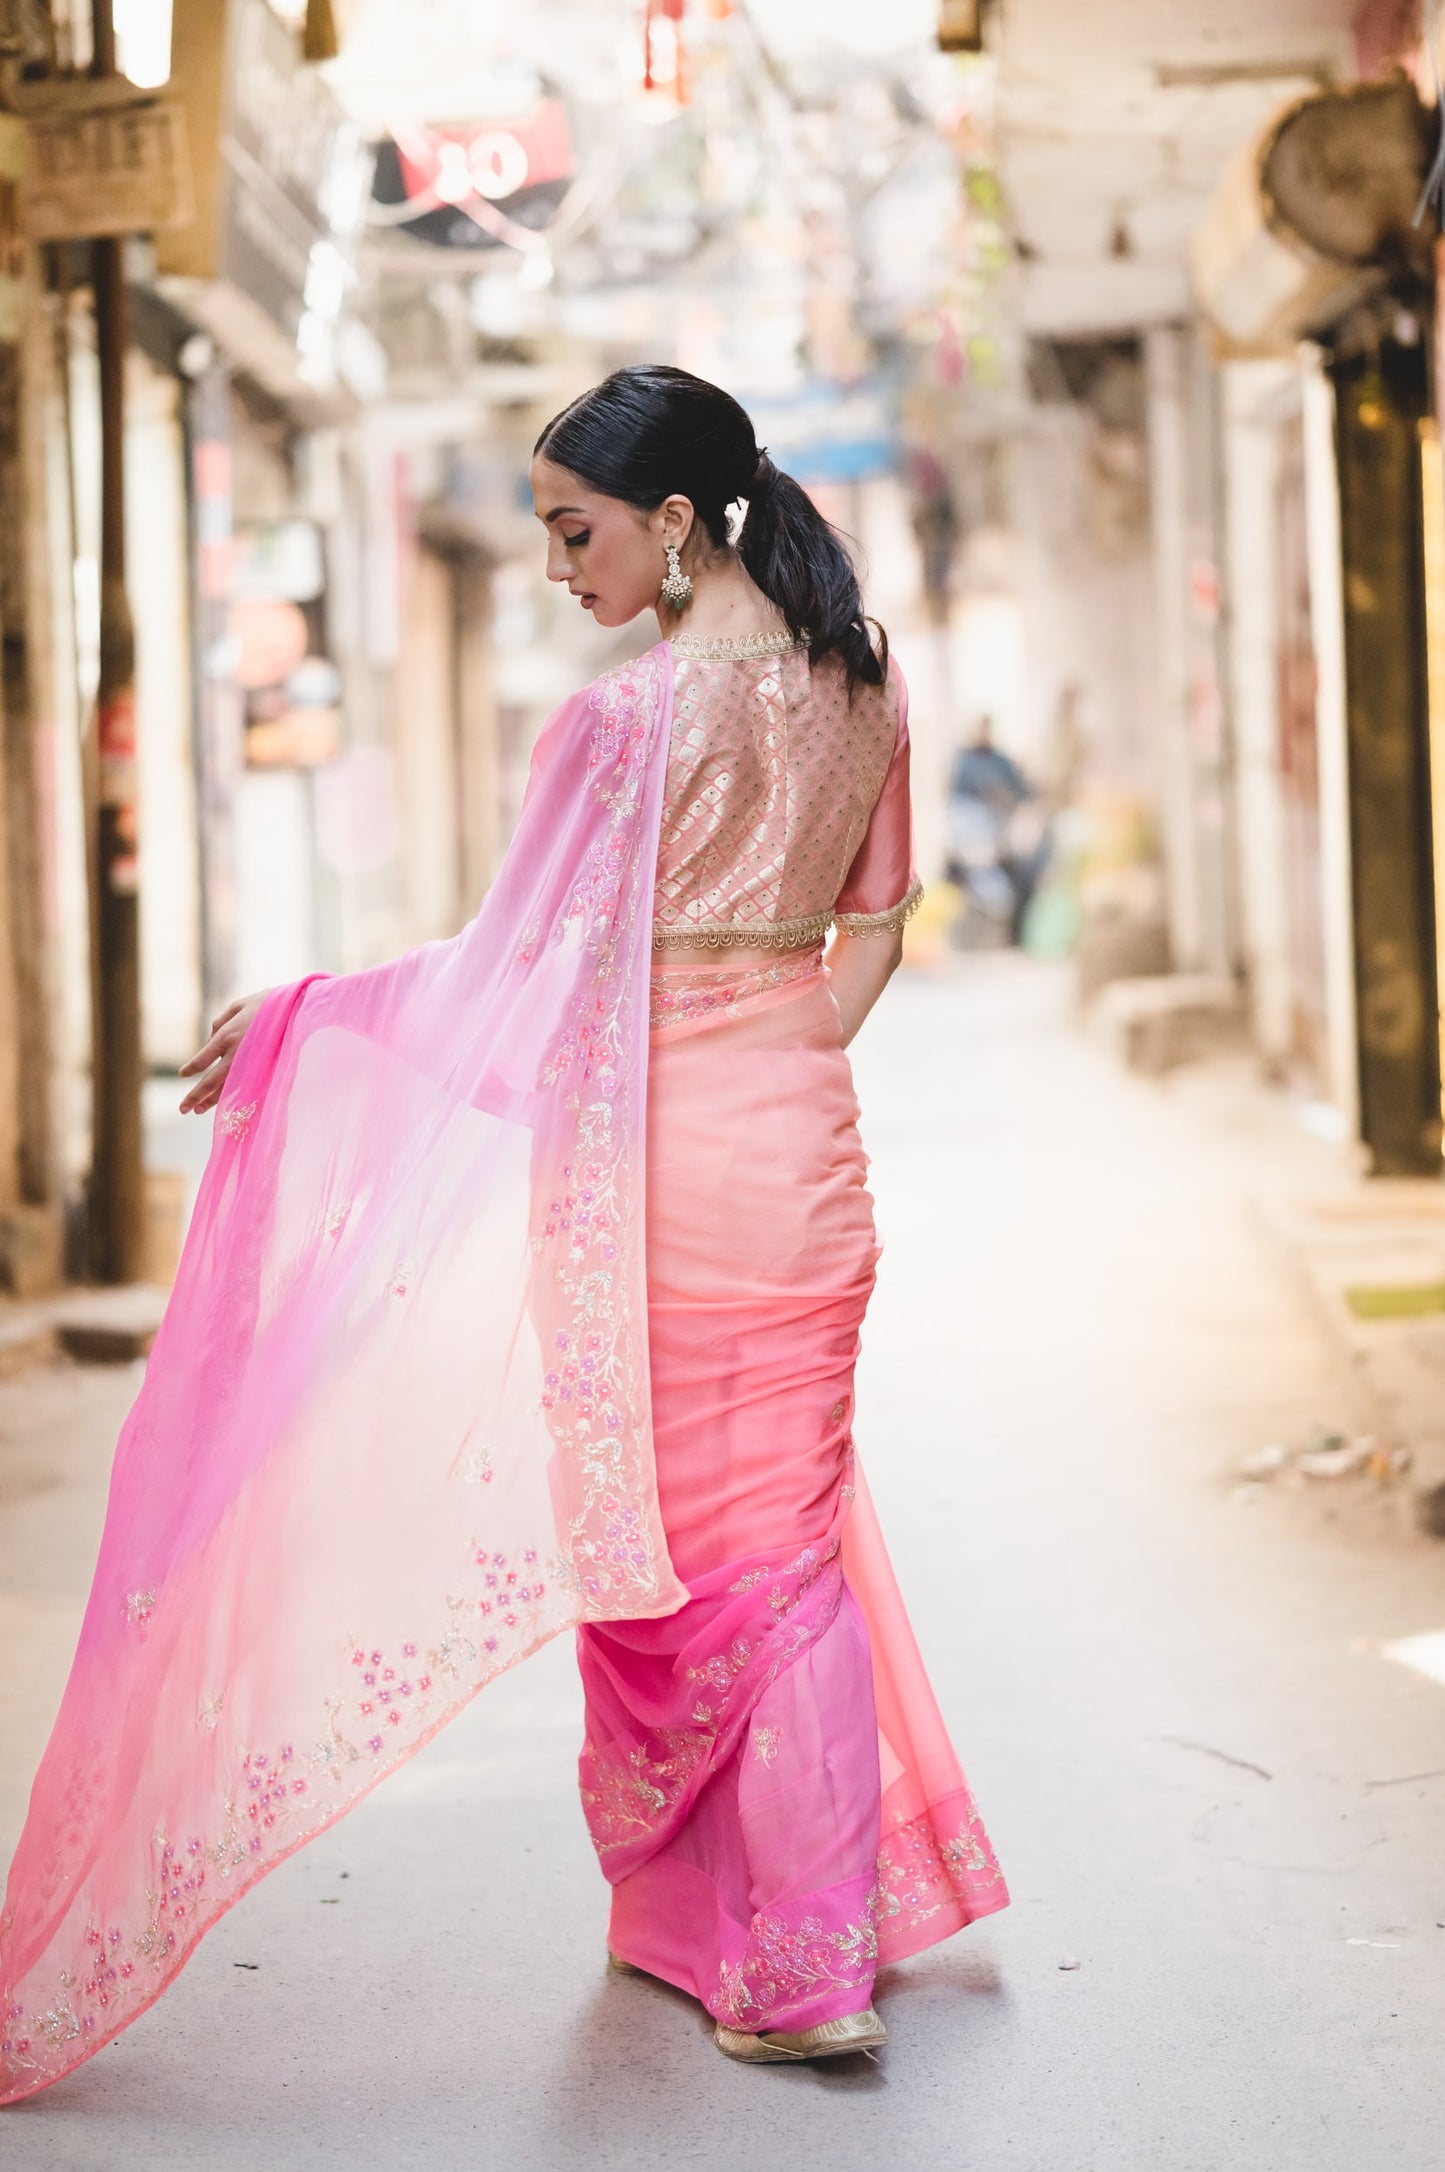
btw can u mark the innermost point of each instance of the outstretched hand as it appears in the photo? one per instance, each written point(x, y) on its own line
point(213, 1061)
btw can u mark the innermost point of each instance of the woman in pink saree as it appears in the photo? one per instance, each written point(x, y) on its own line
point(523, 1293)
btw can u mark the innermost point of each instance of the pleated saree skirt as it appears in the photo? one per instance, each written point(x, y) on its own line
point(765, 1773)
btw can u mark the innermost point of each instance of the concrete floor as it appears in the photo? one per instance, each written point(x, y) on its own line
point(1192, 1753)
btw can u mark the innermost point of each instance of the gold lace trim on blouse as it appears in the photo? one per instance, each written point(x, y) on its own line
point(787, 934)
point(723, 648)
point(885, 923)
point(756, 935)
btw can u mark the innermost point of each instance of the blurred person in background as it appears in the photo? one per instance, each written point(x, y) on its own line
point(523, 1294)
point(998, 838)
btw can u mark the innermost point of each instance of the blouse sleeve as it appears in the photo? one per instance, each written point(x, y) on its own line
point(881, 889)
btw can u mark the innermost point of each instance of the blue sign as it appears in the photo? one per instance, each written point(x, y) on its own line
point(829, 433)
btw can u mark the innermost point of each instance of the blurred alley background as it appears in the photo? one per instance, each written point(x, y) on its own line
point(1110, 331)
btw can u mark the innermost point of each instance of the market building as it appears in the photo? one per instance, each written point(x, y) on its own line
point(1112, 434)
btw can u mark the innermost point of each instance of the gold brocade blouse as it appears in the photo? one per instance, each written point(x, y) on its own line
point(786, 805)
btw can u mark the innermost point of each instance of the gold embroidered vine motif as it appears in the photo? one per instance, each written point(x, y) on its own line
point(786, 1964)
point(595, 1388)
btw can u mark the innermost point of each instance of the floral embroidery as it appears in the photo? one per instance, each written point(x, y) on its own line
point(632, 1794)
point(766, 1741)
point(337, 1218)
point(118, 1968)
point(624, 1797)
point(789, 1965)
point(595, 1390)
point(723, 1669)
point(922, 1873)
point(678, 997)
point(278, 1795)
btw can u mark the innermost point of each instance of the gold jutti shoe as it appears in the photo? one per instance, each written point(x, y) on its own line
point(829, 2040)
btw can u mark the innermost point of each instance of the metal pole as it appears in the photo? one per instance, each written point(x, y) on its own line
point(117, 1191)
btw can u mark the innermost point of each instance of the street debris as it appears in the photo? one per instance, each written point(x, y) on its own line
point(1323, 1455)
point(1069, 1964)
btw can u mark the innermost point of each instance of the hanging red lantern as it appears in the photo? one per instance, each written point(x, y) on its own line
point(671, 11)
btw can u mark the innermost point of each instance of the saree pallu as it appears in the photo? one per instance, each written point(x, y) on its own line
point(395, 1431)
point(765, 1774)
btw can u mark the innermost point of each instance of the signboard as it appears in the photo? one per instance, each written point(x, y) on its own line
point(112, 170)
point(438, 183)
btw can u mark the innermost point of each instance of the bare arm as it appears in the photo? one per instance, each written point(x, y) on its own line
point(859, 969)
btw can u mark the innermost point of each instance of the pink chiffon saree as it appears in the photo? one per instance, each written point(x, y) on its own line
point(397, 1430)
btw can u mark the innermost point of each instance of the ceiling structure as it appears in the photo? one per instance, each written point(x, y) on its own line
point(1115, 119)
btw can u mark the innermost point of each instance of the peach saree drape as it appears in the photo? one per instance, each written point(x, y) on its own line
point(397, 1430)
point(766, 1775)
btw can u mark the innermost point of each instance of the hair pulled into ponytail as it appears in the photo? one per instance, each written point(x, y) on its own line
point(651, 430)
point(798, 561)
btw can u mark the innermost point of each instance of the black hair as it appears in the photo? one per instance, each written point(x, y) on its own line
point(650, 430)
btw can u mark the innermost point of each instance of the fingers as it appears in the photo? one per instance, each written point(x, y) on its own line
point(215, 1057)
point(227, 1033)
point(220, 1044)
point(207, 1091)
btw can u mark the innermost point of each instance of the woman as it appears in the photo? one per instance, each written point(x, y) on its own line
point(441, 1375)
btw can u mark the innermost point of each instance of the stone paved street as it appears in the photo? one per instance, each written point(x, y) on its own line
point(1194, 1758)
